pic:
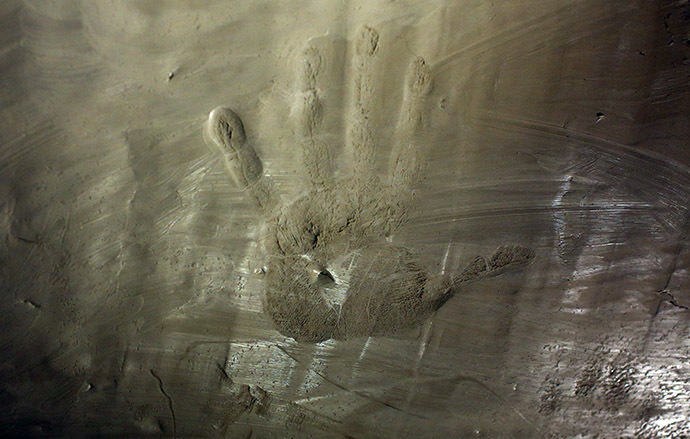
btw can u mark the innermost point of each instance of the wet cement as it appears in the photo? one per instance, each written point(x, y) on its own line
point(134, 303)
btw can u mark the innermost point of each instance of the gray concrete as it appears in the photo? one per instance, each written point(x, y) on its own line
point(132, 264)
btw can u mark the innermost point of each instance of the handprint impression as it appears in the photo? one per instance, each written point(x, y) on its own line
point(332, 271)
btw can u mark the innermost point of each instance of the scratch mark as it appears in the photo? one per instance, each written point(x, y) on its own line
point(445, 259)
point(313, 412)
point(364, 350)
point(345, 389)
point(246, 343)
point(224, 373)
point(170, 401)
point(525, 35)
point(655, 164)
point(124, 359)
point(500, 398)
point(427, 331)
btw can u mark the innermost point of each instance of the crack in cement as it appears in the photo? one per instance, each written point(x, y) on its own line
point(672, 300)
point(170, 401)
point(663, 292)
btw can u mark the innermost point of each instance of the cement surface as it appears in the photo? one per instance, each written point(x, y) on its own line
point(130, 263)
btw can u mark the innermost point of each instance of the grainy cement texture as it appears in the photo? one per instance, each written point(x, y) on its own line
point(135, 266)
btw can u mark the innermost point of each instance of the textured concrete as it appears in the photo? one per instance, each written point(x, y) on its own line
point(131, 263)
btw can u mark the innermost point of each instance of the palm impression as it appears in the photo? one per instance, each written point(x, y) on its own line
point(333, 270)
